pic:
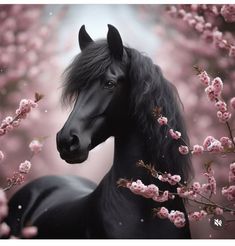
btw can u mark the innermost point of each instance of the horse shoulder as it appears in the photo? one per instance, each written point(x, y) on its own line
point(45, 202)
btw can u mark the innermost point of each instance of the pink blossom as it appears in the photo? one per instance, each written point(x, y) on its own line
point(229, 192)
point(228, 12)
point(196, 216)
point(197, 149)
point(25, 167)
point(174, 134)
point(8, 120)
point(192, 22)
point(163, 213)
point(196, 187)
point(200, 19)
point(232, 167)
point(35, 146)
point(226, 142)
point(16, 179)
point(218, 211)
point(179, 222)
point(232, 102)
point(208, 141)
point(163, 178)
point(29, 232)
point(211, 94)
point(162, 120)
point(215, 146)
point(217, 85)
point(224, 116)
point(171, 179)
point(221, 106)
point(184, 150)
point(177, 218)
point(1, 155)
point(175, 178)
point(204, 78)
point(183, 192)
point(151, 191)
point(199, 27)
point(16, 123)
point(212, 145)
point(162, 198)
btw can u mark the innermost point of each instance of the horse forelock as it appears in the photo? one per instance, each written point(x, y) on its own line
point(86, 67)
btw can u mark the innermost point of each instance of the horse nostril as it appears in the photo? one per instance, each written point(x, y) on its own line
point(74, 144)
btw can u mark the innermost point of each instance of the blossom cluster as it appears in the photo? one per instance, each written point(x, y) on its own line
point(196, 188)
point(196, 216)
point(175, 216)
point(228, 12)
point(35, 146)
point(213, 91)
point(210, 144)
point(208, 32)
point(171, 179)
point(18, 177)
point(149, 191)
point(229, 192)
point(175, 134)
point(9, 123)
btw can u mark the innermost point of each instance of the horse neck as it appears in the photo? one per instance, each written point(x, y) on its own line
point(129, 148)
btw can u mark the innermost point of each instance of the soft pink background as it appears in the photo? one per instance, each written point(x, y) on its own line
point(37, 42)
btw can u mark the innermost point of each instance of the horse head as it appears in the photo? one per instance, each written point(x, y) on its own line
point(96, 83)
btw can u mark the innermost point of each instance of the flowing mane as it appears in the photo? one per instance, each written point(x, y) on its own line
point(150, 90)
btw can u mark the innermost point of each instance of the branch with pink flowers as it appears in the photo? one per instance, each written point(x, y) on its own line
point(213, 92)
point(202, 25)
point(9, 124)
point(201, 194)
point(191, 193)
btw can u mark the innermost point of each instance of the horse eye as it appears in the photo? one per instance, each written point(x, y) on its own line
point(110, 84)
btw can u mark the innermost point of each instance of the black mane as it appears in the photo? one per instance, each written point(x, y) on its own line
point(149, 89)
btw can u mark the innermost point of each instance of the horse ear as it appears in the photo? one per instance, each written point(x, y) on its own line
point(84, 38)
point(115, 42)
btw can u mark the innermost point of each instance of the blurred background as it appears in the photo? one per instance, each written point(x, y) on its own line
point(37, 42)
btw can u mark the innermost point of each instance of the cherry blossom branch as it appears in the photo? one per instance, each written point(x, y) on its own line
point(9, 123)
point(190, 193)
point(24, 167)
point(204, 28)
point(214, 94)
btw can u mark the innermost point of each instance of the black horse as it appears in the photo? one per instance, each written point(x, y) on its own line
point(114, 90)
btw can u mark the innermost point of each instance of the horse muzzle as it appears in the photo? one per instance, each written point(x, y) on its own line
point(72, 148)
